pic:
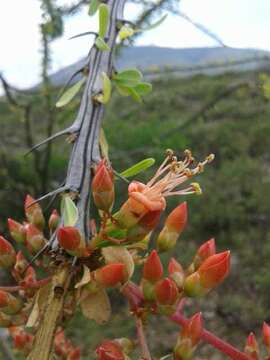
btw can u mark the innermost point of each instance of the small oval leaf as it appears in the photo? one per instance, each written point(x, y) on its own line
point(69, 211)
point(94, 4)
point(103, 19)
point(101, 45)
point(70, 93)
point(96, 306)
point(143, 88)
point(103, 143)
point(129, 77)
point(139, 167)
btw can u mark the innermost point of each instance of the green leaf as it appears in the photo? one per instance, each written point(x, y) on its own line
point(103, 19)
point(101, 45)
point(69, 211)
point(123, 90)
point(107, 89)
point(103, 143)
point(70, 93)
point(139, 167)
point(93, 6)
point(125, 32)
point(143, 88)
point(155, 24)
point(135, 95)
point(129, 77)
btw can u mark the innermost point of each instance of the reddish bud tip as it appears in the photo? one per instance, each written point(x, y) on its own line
point(69, 238)
point(166, 292)
point(266, 334)
point(33, 212)
point(54, 220)
point(110, 350)
point(251, 348)
point(17, 231)
point(9, 304)
point(153, 269)
point(177, 219)
point(174, 266)
point(206, 250)
point(110, 275)
point(214, 269)
point(103, 187)
point(29, 278)
point(74, 354)
point(34, 239)
point(193, 329)
point(21, 263)
point(7, 254)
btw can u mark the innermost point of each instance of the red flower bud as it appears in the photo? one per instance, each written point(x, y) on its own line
point(103, 187)
point(174, 225)
point(34, 239)
point(144, 226)
point(110, 275)
point(210, 274)
point(54, 220)
point(251, 348)
point(266, 335)
point(74, 354)
point(166, 292)
point(17, 231)
point(33, 212)
point(7, 254)
point(214, 269)
point(110, 350)
point(21, 263)
point(9, 304)
point(206, 250)
point(176, 272)
point(189, 338)
point(71, 240)
point(153, 269)
point(174, 266)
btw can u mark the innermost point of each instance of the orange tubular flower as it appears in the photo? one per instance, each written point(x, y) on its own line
point(166, 181)
point(110, 275)
point(189, 338)
point(210, 274)
point(17, 231)
point(153, 269)
point(7, 254)
point(206, 250)
point(110, 350)
point(251, 348)
point(174, 225)
point(166, 292)
point(33, 212)
point(266, 336)
point(103, 187)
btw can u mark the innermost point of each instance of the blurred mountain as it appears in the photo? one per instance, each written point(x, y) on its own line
point(183, 62)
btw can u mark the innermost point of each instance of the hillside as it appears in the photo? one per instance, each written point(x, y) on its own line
point(208, 60)
point(225, 114)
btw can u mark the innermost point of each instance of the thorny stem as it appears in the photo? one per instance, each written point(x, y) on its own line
point(213, 340)
point(142, 340)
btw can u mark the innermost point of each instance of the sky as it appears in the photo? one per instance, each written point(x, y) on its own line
point(239, 23)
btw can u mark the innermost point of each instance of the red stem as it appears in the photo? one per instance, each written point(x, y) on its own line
point(37, 284)
point(142, 341)
point(213, 340)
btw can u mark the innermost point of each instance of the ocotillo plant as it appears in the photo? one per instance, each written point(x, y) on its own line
point(78, 258)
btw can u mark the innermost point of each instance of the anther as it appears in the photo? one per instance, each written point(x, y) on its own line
point(197, 189)
point(169, 153)
point(210, 158)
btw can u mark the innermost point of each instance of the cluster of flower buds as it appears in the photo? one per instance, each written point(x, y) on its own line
point(63, 347)
point(30, 233)
point(188, 338)
point(117, 349)
point(252, 346)
point(22, 341)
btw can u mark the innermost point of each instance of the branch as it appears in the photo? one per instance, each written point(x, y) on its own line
point(213, 340)
point(142, 340)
